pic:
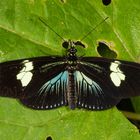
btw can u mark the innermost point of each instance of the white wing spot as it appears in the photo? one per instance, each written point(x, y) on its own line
point(117, 76)
point(25, 75)
point(89, 107)
point(98, 107)
point(62, 102)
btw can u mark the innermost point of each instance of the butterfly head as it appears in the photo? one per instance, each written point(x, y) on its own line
point(71, 49)
point(72, 44)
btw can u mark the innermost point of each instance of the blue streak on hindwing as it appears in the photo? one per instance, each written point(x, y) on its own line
point(86, 84)
point(53, 86)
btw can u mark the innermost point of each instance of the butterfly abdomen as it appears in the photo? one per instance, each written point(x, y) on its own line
point(71, 92)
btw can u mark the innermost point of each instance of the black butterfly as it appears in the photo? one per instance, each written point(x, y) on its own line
point(93, 83)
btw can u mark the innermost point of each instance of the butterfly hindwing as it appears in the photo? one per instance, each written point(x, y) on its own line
point(92, 93)
point(104, 82)
point(51, 94)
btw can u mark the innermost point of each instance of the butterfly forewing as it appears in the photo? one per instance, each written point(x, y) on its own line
point(23, 78)
point(121, 77)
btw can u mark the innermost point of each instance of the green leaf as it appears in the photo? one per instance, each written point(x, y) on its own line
point(22, 35)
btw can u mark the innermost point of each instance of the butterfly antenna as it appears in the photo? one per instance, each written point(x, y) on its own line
point(94, 28)
point(43, 21)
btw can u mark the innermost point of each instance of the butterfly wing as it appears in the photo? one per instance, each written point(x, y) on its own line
point(51, 94)
point(24, 79)
point(93, 93)
point(101, 83)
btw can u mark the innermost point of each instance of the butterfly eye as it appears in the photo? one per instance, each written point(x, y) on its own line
point(65, 44)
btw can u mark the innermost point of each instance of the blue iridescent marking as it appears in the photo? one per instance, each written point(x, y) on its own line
point(54, 83)
point(87, 83)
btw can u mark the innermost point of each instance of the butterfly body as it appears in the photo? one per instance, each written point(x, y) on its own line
point(49, 82)
point(71, 68)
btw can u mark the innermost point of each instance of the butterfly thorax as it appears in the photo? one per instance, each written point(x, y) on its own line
point(71, 55)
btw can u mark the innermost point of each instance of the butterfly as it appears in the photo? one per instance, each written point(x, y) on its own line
point(93, 83)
